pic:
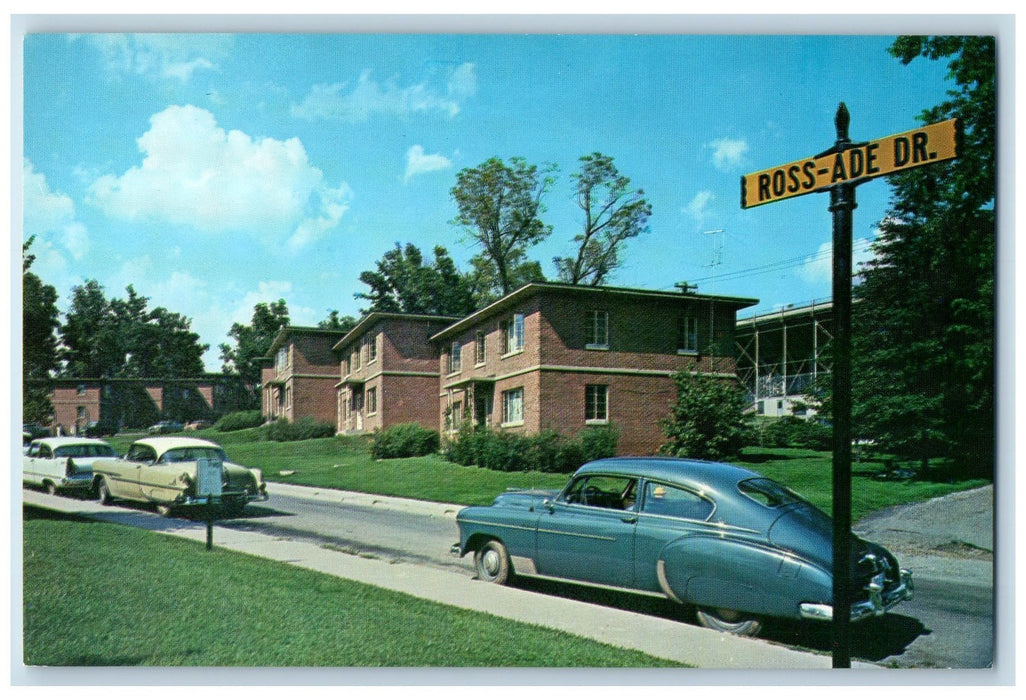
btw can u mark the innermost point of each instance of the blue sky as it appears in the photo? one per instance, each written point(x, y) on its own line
point(216, 171)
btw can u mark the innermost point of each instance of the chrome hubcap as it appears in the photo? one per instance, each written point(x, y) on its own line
point(491, 562)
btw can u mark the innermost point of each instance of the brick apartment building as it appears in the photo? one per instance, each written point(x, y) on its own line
point(137, 403)
point(563, 357)
point(389, 372)
point(300, 374)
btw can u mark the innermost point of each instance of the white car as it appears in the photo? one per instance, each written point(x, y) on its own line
point(63, 463)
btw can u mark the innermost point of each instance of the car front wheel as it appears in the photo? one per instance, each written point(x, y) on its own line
point(492, 562)
point(729, 621)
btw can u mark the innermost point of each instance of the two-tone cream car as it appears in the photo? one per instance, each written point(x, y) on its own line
point(163, 471)
point(63, 463)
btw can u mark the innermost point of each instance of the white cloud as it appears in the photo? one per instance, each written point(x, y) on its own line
point(698, 207)
point(728, 153)
point(173, 56)
point(196, 174)
point(819, 267)
point(418, 162)
point(369, 97)
point(51, 214)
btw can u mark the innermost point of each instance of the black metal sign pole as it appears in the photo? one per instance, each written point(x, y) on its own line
point(842, 203)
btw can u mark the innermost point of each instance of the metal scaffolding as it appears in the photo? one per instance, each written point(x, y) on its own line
point(781, 354)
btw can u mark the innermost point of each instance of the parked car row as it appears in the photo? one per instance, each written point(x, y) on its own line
point(163, 471)
point(737, 546)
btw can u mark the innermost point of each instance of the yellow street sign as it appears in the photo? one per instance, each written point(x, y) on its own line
point(910, 149)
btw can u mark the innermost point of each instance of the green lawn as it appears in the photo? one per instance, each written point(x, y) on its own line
point(97, 594)
point(345, 463)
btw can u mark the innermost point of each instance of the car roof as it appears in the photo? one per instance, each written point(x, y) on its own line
point(163, 444)
point(63, 440)
point(693, 472)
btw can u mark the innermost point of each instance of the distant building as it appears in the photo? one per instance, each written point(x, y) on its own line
point(388, 372)
point(120, 404)
point(300, 374)
point(566, 357)
point(782, 354)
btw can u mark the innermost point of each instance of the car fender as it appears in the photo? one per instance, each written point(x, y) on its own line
point(719, 570)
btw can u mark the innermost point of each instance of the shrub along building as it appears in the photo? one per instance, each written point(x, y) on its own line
point(300, 375)
point(562, 357)
point(389, 372)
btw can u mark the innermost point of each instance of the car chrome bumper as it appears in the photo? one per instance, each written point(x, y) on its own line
point(456, 550)
point(878, 603)
point(204, 500)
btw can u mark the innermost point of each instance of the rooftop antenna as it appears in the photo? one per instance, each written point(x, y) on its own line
point(717, 258)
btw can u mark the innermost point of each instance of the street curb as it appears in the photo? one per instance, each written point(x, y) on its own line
point(366, 500)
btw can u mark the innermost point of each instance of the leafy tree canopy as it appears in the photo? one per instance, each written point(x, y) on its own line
point(253, 341)
point(613, 213)
point(500, 205)
point(403, 283)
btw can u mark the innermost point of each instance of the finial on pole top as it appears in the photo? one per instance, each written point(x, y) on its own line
point(841, 121)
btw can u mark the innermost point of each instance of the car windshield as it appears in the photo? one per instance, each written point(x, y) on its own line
point(84, 451)
point(191, 454)
point(769, 493)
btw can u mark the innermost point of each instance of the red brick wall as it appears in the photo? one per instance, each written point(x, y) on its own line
point(66, 402)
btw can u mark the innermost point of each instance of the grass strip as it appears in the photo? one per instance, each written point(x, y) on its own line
point(98, 594)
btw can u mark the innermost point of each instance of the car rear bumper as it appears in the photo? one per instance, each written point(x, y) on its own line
point(878, 603)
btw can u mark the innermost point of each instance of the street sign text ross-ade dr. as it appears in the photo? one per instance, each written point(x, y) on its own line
point(861, 161)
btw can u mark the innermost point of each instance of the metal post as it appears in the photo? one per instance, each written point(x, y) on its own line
point(842, 203)
point(210, 525)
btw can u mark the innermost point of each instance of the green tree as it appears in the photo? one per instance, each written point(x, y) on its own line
point(708, 420)
point(500, 207)
point(613, 213)
point(337, 322)
point(403, 283)
point(39, 323)
point(104, 337)
point(253, 341)
point(924, 328)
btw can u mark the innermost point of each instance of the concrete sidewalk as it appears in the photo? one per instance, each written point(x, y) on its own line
point(683, 643)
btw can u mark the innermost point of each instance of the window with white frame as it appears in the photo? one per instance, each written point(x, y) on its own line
point(479, 348)
point(596, 403)
point(598, 330)
point(513, 406)
point(281, 359)
point(513, 334)
point(372, 401)
point(372, 349)
point(687, 334)
point(356, 356)
point(455, 357)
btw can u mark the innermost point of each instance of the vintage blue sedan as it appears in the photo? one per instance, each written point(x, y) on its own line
point(735, 545)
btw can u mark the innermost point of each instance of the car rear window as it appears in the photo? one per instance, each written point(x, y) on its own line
point(769, 493)
point(84, 451)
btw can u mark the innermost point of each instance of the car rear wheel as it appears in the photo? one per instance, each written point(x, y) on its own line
point(729, 621)
point(51, 488)
point(492, 562)
point(103, 492)
point(164, 510)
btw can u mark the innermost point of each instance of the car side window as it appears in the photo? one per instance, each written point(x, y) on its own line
point(141, 453)
point(661, 499)
point(34, 450)
point(614, 492)
point(45, 452)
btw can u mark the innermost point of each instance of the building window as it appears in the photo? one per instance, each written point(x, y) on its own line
point(356, 356)
point(281, 359)
point(372, 401)
point(372, 349)
point(596, 403)
point(349, 365)
point(598, 330)
point(455, 357)
point(81, 389)
point(513, 334)
point(687, 334)
point(513, 406)
point(479, 348)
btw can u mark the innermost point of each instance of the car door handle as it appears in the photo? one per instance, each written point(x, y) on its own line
point(629, 518)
